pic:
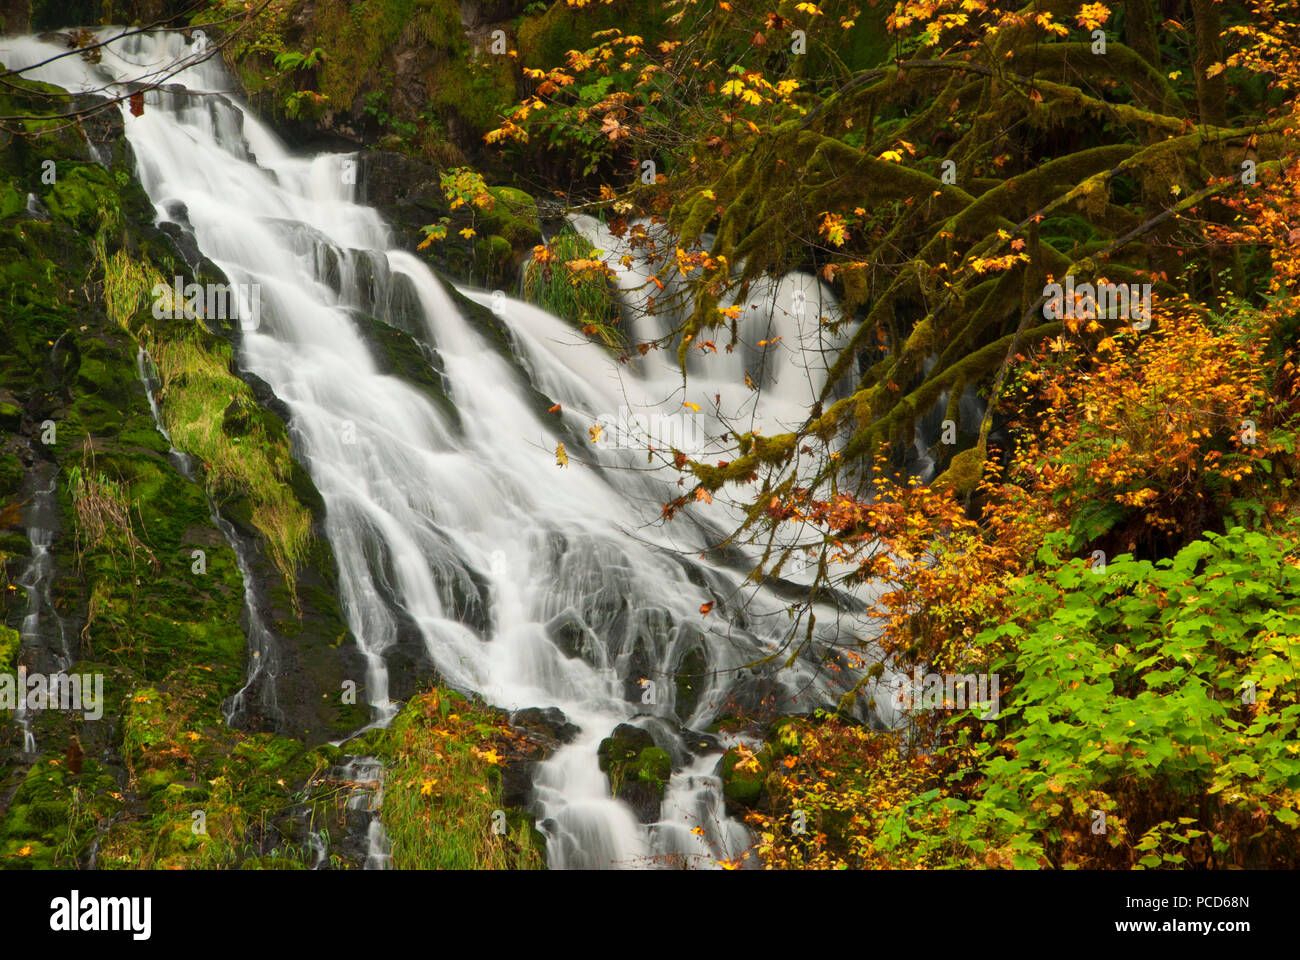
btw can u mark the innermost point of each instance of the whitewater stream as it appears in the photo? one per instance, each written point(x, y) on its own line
point(529, 583)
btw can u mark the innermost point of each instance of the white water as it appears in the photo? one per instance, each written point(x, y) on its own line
point(467, 531)
point(53, 651)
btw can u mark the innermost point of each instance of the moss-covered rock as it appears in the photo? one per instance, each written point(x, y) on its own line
point(11, 417)
point(514, 217)
point(638, 770)
point(744, 776)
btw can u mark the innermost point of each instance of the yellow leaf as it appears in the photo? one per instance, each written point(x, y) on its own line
point(561, 458)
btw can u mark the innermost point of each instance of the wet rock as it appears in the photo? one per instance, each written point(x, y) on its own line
point(547, 724)
point(692, 681)
point(744, 776)
point(638, 770)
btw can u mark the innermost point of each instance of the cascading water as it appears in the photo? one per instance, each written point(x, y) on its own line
point(528, 583)
point(43, 631)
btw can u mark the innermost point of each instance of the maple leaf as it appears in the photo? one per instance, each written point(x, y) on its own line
point(613, 128)
point(595, 432)
point(705, 608)
point(426, 788)
point(561, 458)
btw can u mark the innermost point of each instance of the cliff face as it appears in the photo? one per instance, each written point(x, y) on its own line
point(116, 557)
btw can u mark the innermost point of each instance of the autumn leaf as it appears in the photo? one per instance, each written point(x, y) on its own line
point(705, 608)
point(561, 458)
point(554, 409)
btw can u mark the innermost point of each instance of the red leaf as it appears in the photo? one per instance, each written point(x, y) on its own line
point(137, 104)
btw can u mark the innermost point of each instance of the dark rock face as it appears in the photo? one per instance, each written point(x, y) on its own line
point(548, 725)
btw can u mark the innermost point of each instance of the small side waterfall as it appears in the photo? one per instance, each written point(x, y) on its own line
point(43, 633)
point(454, 527)
point(259, 686)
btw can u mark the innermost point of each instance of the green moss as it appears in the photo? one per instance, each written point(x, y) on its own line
point(11, 470)
point(744, 778)
point(10, 642)
point(11, 418)
point(544, 40)
point(630, 757)
point(12, 199)
point(514, 217)
point(494, 259)
point(84, 196)
point(442, 799)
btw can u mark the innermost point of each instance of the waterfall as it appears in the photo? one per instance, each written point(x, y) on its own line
point(529, 583)
point(51, 651)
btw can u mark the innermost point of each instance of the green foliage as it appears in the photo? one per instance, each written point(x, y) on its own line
point(583, 298)
point(293, 60)
point(1160, 694)
point(9, 644)
point(442, 797)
